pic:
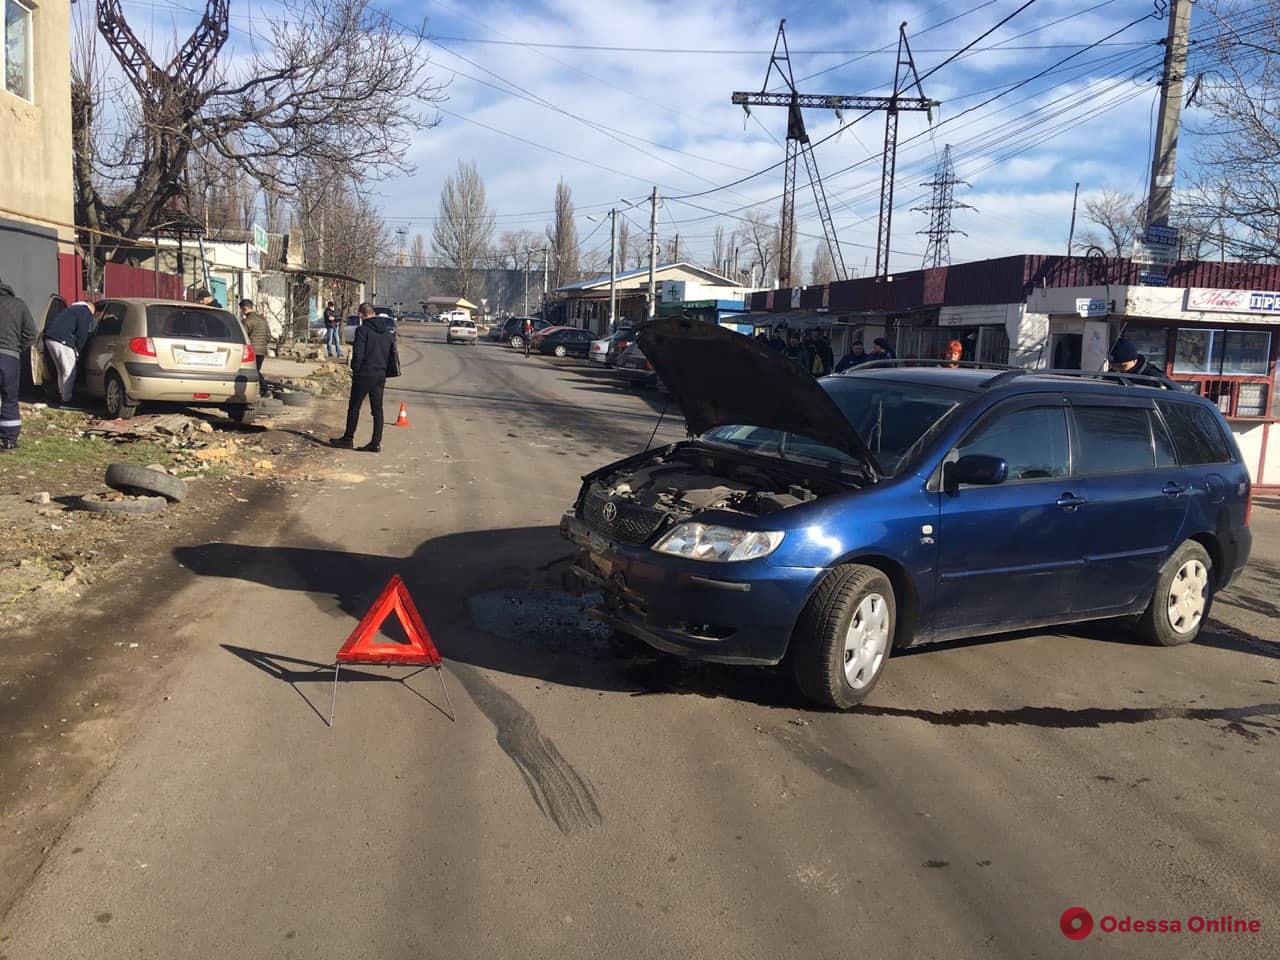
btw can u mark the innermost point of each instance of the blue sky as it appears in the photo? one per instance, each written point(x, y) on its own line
point(528, 115)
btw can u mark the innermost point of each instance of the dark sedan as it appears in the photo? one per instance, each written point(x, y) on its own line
point(567, 342)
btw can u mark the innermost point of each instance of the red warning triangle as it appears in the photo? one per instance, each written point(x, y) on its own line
point(364, 646)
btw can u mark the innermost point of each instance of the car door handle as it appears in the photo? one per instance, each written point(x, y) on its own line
point(1069, 501)
point(1174, 489)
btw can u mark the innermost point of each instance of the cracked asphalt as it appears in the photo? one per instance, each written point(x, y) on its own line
point(585, 801)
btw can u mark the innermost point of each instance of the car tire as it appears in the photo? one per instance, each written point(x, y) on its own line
point(242, 413)
point(119, 407)
point(844, 636)
point(133, 479)
point(135, 506)
point(562, 351)
point(296, 398)
point(517, 342)
point(1183, 595)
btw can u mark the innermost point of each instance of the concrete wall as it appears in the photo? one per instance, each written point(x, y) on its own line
point(35, 137)
point(29, 261)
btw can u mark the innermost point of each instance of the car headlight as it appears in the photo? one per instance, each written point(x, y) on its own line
point(701, 541)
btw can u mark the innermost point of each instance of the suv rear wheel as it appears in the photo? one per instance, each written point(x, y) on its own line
point(517, 341)
point(844, 636)
point(1181, 601)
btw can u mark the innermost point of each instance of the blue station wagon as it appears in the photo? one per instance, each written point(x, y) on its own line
point(824, 523)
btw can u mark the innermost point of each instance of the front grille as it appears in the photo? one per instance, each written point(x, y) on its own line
point(631, 524)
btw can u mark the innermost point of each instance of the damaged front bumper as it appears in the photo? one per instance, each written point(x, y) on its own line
point(739, 613)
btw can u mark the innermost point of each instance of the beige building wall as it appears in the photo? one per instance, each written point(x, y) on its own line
point(35, 161)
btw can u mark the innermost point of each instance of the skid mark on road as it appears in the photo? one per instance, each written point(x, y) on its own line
point(1088, 717)
point(562, 794)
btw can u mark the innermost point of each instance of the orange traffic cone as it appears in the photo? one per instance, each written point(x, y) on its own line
point(403, 419)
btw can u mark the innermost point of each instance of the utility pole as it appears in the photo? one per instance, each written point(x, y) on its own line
point(797, 145)
point(1071, 234)
point(613, 269)
point(653, 253)
point(527, 255)
point(1164, 162)
point(546, 262)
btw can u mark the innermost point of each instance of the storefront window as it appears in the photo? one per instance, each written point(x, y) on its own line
point(1252, 401)
point(1246, 353)
point(1197, 351)
point(1150, 342)
point(16, 52)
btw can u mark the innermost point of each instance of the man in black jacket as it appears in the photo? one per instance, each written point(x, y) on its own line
point(17, 333)
point(1126, 359)
point(65, 337)
point(371, 354)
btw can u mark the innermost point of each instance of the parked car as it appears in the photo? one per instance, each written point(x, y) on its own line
point(633, 365)
point(830, 522)
point(536, 342)
point(608, 349)
point(353, 321)
point(167, 351)
point(461, 331)
point(564, 342)
point(511, 330)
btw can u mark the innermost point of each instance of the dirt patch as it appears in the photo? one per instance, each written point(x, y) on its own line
point(52, 549)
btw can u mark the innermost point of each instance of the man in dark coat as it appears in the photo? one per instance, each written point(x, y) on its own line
point(371, 355)
point(332, 331)
point(880, 349)
point(822, 345)
point(857, 354)
point(1125, 358)
point(65, 337)
point(258, 331)
point(797, 354)
point(17, 333)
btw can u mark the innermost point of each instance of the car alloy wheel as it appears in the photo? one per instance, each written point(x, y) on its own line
point(517, 343)
point(562, 351)
point(866, 641)
point(1188, 596)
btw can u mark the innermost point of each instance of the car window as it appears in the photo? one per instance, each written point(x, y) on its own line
point(112, 322)
point(1112, 440)
point(1165, 456)
point(1032, 440)
point(191, 323)
point(1196, 434)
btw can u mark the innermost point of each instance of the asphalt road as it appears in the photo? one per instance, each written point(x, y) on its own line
point(589, 803)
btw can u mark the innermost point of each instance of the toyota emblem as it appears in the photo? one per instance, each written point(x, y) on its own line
point(610, 512)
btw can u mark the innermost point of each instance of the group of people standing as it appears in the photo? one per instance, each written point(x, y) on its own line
point(811, 351)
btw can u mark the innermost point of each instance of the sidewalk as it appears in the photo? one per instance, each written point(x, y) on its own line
point(1252, 604)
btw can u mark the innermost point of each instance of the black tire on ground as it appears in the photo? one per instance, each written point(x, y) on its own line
point(134, 506)
point(818, 643)
point(243, 413)
point(517, 342)
point(131, 478)
point(562, 351)
point(1156, 625)
point(296, 398)
point(119, 406)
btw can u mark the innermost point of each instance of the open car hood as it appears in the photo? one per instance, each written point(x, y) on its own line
point(720, 377)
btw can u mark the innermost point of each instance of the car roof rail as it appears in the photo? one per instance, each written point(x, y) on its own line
point(1107, 376)
point(928, 362)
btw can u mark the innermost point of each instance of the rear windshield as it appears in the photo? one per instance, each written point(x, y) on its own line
point(462, 323)
point(193, 323)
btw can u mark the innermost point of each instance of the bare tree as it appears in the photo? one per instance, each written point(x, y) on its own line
point(1118, 217)
point(624, 242)
point(514, 247)
point(341, 230)
point(758, 237)
point(719, 250)
point(1238, 187)
point(464, 225)
point(329, 84)
point(564, 238)
point(821, 269)
point(418, 251)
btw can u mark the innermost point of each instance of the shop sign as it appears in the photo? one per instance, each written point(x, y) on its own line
point(1233, 301)
point(1092, 307)
point(1154, 254)
point(1153, 278)
point(1162, 236)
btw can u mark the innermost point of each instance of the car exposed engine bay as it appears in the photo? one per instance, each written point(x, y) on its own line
point(674, 484)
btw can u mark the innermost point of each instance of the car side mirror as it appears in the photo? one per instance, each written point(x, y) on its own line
point(978, 469)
